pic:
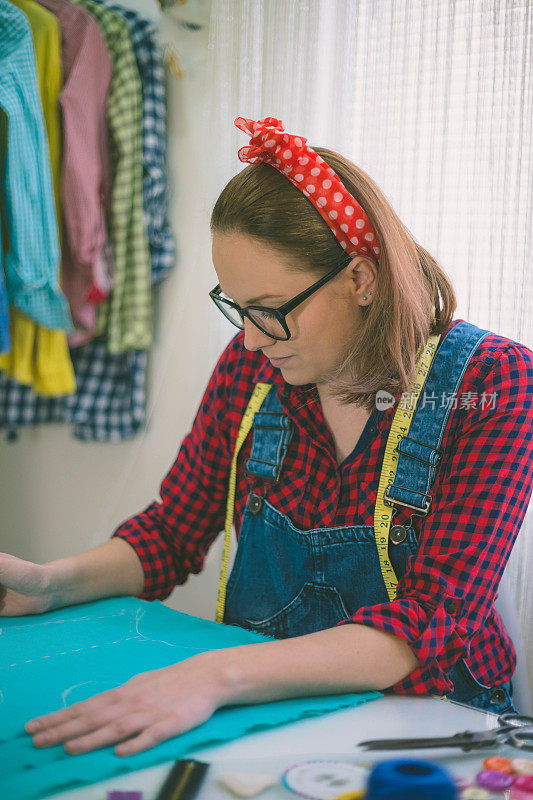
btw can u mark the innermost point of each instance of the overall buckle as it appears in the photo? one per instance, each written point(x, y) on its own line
point(394, 501)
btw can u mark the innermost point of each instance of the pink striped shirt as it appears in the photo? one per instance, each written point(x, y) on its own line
point(86, 175)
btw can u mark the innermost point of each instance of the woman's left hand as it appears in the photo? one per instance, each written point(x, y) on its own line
point(144, 711)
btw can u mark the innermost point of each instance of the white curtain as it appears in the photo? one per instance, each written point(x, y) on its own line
point(434, 100)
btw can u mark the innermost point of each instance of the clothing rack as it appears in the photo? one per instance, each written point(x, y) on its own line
point(82, 359)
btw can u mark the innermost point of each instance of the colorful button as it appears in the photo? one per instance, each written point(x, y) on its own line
point(524, 783)
point(124, 795)
point(474, 793)
point(518, 794)
point(499, 764)
point(490, 779)
point(522, 766)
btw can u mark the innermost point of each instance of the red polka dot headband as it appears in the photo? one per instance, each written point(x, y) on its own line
point(291, 156)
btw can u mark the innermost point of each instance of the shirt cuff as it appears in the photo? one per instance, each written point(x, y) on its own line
point(432, 630)
point(158, 567)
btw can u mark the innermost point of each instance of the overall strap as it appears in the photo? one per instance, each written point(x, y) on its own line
point(413, 448)
point(272, 433)
point(419, 451)
point(261, 391)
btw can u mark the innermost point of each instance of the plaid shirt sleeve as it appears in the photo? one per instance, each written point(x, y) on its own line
point(172, 537)
point(479, 500)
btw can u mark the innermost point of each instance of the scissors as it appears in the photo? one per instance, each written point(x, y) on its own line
point(513, 729)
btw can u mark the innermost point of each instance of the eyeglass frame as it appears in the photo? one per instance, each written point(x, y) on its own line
point(281, 312)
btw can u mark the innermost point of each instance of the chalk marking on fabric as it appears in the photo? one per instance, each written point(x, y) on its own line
point(68, 652)
point(138, 617)
point(58, 621)
point(139, 614)
point(65, 694)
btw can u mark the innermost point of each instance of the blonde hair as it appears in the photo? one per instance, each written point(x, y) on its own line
point(413, 297)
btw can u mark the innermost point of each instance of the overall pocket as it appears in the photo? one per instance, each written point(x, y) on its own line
point(315, 607)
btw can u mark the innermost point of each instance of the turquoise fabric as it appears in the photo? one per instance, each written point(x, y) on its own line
point(53, 660)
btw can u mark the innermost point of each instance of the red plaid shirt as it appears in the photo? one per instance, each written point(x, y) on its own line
point(444, 604)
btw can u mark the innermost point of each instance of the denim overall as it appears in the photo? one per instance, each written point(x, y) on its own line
point(289, 582)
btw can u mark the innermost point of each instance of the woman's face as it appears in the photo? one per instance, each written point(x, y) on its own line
point(321, 327)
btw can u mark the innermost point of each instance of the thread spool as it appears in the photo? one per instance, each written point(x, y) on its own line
point(410, 779)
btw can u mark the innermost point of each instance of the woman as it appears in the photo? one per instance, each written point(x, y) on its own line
point(348, 301)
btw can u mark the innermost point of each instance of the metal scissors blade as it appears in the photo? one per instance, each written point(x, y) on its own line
point(514, 729)
point(466, 740)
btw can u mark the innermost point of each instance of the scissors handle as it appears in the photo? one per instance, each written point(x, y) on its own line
point(521, 739)
point(512, 720)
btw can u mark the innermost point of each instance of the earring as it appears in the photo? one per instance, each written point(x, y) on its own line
point(365, 297)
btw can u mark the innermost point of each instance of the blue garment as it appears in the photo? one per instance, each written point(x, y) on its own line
point(5, 339)
point(109, 404)
point(32, 261)
point(289, 582)
point(53, 660)
point(151, 72)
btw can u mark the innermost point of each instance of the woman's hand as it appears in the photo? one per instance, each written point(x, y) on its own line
point(24, 587)
point(143, 712)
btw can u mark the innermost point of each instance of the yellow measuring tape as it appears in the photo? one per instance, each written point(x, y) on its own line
point(260, 392)
point(399, 428)
point(383, 510)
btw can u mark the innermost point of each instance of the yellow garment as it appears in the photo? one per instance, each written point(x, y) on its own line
point(40, 356)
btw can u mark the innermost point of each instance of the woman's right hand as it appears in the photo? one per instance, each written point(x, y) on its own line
point(24, 587)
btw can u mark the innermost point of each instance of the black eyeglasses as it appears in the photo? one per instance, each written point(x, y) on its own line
point(269, 320)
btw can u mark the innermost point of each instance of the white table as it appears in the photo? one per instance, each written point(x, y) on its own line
point(332, 736)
